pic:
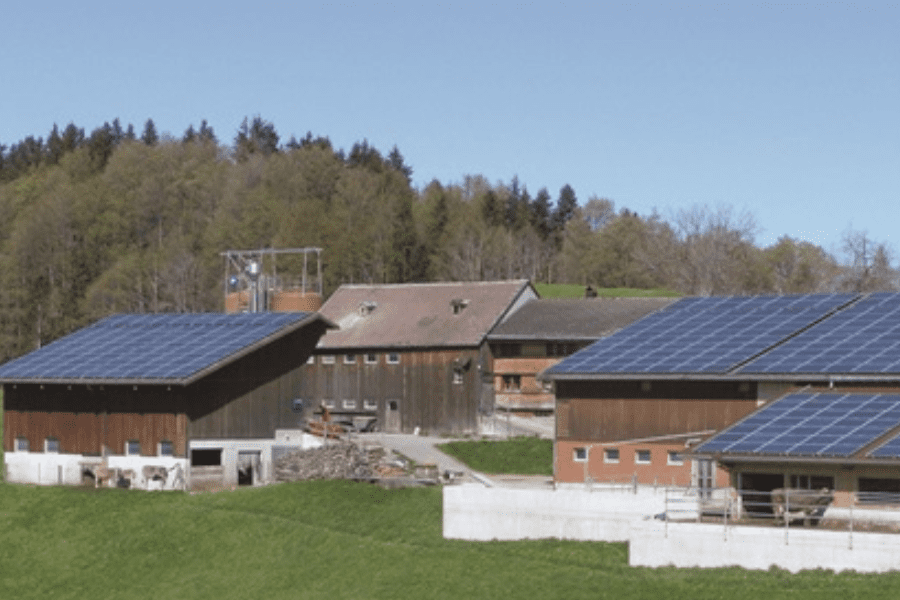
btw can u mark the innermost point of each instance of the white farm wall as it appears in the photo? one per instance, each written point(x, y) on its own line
point(657, 544)
point(47, 468)
point(478, 513)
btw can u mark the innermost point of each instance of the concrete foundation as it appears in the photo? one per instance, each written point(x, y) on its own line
point(657, 544)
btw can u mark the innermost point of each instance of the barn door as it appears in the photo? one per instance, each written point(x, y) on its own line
point(248, 467)
point(392, 417)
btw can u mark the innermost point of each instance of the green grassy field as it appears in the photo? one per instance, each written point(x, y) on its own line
point(329, 540)
point(519, 456)
point(566, 290)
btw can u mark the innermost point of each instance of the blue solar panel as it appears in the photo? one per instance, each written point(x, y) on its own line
point(702, 335)
point(807, 424)
point(862, 338)
point(147, 347)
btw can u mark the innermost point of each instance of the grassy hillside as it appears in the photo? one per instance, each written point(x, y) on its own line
point(520, 456)
point(329, 540)
point(566, 290)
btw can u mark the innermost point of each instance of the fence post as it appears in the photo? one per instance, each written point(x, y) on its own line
point(666, 514)
point(787, 511)
point(634, 483)
point(725, 507)
point(851, 518)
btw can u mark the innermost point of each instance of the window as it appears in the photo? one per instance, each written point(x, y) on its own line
point(370, 405)
point(206, 457)
point(371, 359)
point(328, 359)
point(329, 404)
point(132, 448)
point(166, 448)
point(547, 386)
point(22, 444)
point(611, 456)
point(642, 457)
point(507, 350)
point(297, 405)
point(349, 404)
point(311, 360)
point(580, 454)
point(812, 482)
point(393, 358)
point(674, 458)
point(51, 444)
point(349, 359)
point(512, 383)
point(457, 377)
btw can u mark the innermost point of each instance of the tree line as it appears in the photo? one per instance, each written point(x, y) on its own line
point(120, 222)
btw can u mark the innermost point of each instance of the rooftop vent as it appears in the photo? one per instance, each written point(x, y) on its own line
point(458, 304)
point(367, 307)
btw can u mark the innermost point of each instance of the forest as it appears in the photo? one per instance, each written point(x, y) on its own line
point(114, 222)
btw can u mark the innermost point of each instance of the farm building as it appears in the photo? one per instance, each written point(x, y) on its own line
point(634, 404)
point(544, 331)
point(166, 400)
point(411, 357)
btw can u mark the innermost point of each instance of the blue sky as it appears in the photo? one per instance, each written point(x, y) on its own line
point(788, 111)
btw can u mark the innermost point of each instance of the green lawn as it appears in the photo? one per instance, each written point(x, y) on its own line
point(329, 540)
point(520, 456)
point(566, 290)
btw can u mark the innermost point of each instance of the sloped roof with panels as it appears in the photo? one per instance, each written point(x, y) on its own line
point(809, 426)
point(568, 319)
point(709, 337)
point(419, 315)
point(148, 348)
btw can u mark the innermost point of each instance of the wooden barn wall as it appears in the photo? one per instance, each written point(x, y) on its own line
point(85, 419)
point(252, 397)
point(623, 410)
point(422, 384)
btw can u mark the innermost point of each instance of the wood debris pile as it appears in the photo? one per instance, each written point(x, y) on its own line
point(337, 460)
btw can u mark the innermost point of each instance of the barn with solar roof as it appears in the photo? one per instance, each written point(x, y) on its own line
point(158, 401)
point(810, 384)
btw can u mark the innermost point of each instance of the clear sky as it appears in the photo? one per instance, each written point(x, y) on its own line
point(789, 111)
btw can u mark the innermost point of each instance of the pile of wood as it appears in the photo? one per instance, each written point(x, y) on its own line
point(337, 460)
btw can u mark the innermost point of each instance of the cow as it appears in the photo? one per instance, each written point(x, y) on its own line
point(790, 504)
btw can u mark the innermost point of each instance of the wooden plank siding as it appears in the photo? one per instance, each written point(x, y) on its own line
point(87, 419)
point(422, 384)
point(623, 410)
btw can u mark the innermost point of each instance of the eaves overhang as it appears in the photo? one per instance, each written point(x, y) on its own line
point(823, 460)
point(798, 377)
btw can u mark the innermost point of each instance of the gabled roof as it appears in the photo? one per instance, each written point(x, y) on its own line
point(574, 319)
point(712, 337)
point(829, 427)
point(423, 315)
point(154, 349)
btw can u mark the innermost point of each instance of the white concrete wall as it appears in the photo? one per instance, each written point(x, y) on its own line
point(45, 468)
point(231, 448)
point(475, 512)
point(655, 544)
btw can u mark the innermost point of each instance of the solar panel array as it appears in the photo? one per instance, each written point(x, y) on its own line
point(862, 338)
point(147, 347)
point(703, 335)
point(811, 424)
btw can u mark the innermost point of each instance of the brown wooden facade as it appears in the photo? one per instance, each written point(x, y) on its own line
point(434, 390)
point(247, 398)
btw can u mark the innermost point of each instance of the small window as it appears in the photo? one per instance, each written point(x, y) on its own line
point(371, 359)
point(642, 457)
point(370, 405)
point(512, 383)
point(349, 359)
point(328, 359)
point(22, 444)
point(329, 404)
point(166, 448)
point(547, 386)
point(580, 454)
point(349, 404)
point(51, 444)
point(311, 360)
point(132, 448)
point(611, 456)
point(206, 457)
point(674, 458)
point(457, 377)
point(393, 358)
point(393, 405)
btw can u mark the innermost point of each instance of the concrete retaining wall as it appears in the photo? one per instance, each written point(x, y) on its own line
point(49, 468)
point(655, 544)
point(474, 512)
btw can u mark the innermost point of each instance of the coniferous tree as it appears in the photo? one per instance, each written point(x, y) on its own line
point(150, 137)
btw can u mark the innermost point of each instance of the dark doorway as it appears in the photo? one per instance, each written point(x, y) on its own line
point(756, 492)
